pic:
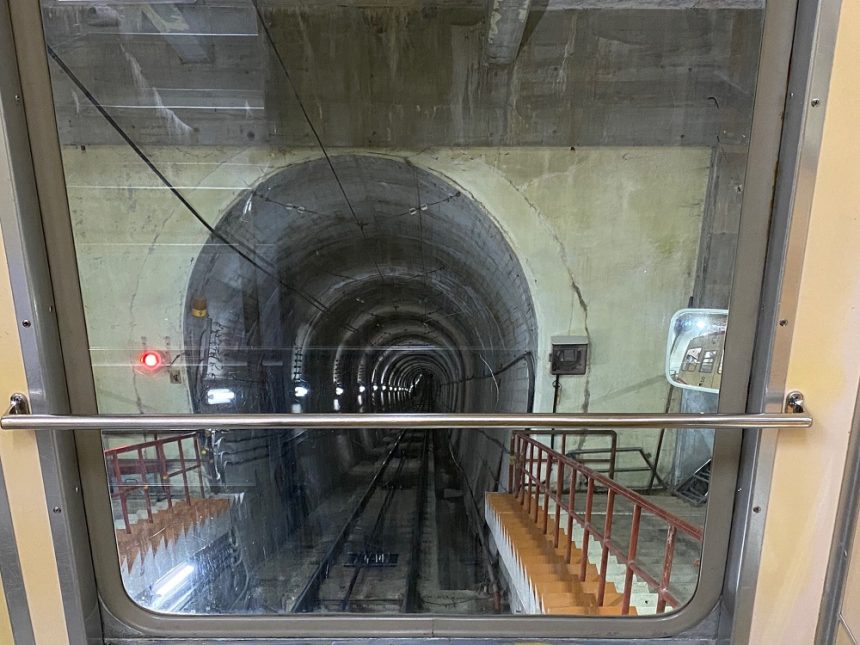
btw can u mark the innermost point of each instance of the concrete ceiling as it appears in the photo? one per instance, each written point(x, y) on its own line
point(408, 74)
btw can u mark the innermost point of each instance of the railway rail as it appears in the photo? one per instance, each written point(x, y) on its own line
point(374, 562)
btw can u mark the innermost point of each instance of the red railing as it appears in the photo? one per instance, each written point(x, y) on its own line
point(141, 464)
point(612, 451)
point(530, 474)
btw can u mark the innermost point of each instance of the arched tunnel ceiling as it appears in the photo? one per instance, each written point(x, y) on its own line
point(357, 262)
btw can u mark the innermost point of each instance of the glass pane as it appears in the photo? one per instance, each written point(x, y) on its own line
point(404, 207)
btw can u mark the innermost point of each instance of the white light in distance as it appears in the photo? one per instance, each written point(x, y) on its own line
point(220, 396)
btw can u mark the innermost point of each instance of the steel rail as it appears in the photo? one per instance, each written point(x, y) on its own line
point(373, 537)
point(176, 422)
point(309, 596)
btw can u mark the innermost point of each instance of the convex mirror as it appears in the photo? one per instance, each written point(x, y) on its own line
point(694, 350)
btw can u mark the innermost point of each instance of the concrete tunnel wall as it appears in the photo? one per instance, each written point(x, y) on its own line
point(340, 289)
point(607, 239)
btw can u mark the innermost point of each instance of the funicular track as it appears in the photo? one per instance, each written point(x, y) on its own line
point(373, 563)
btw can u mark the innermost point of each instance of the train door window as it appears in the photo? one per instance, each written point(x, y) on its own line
point(393, 207)
point(691, 359)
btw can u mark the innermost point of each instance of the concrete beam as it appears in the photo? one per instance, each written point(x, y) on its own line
point(565, 5)
point(505, 26)
point(545, 5)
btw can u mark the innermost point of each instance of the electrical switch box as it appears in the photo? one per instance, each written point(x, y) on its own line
point(569, 355)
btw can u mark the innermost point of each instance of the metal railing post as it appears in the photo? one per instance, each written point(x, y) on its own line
point(631, 558)
point(145, 483)
point(571, 498)
point(613, 453)
point(184, 471)
point(199, 463)
point(667, 569)
point(123, 502)
point(604, 544)
point(547, 491)
point(536, 480)
point(165, 476)
point(559, 493)
point(589, 500)
point(527, 472)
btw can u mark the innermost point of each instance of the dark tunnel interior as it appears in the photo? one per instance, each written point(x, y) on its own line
point(358, 283)
point(373, 279)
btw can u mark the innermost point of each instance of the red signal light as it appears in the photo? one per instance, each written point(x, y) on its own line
point(151, 360)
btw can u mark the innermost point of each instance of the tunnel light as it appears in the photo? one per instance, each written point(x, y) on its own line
point(338, 390)
point(384, 387)
point(151, 359)
point(375, 388)
point(164, 588)
point(220, 396)
point(360, 401)
point(301, 391)
point(336, 404)
point(361, 389)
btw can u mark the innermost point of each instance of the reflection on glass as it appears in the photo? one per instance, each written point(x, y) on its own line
point(695, 345)
point(338, 207)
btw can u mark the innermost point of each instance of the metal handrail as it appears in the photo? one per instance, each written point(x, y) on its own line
point(398, 420)
point(123, 490)
point(531, 471)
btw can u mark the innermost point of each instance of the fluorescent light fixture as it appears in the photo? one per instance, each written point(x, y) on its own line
point(220, 396)
point(170, 583)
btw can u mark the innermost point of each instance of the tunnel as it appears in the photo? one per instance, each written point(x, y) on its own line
point(358, 283)
point(376, 273)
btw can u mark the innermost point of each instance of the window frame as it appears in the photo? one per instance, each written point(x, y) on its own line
point(86, 550)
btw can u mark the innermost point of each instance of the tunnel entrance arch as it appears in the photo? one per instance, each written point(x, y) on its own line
point(324, 277)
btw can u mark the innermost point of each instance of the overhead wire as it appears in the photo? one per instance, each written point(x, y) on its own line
point(314, 132)
point(237, 246)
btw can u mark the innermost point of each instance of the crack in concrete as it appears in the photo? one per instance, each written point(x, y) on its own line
point(576, 289)
point(586, 396)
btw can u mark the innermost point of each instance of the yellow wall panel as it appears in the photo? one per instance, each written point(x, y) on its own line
point(825, 366)
point(20, 459)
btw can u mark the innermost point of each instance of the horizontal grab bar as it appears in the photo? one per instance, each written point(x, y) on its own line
point(396, 420)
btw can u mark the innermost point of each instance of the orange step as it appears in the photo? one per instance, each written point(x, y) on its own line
point(556, 581)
